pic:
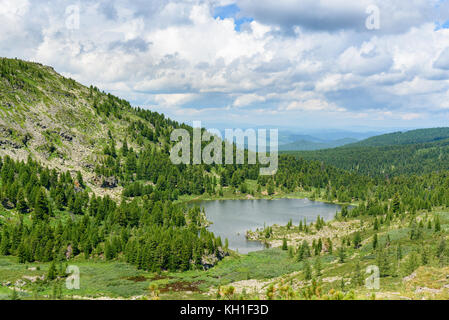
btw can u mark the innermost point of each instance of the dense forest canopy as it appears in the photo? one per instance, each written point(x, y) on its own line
point(386, 161)
point(407, 137)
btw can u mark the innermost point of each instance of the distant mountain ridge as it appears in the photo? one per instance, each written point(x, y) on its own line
point(406, 137)
point(411, 152)
point(308, 145)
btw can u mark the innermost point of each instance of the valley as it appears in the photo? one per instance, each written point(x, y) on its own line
point(86, 180)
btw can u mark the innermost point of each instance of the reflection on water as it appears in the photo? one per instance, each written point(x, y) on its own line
point(232, 218)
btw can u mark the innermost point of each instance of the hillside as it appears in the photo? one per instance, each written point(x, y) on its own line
point(402, 138)
point(73, 163)
point(72, 151)
point(68, 126)
point(389, 160)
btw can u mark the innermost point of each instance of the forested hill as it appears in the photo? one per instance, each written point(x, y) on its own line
point(83, 174)
point(385, 161)
point(402, 138)
point(68, 126)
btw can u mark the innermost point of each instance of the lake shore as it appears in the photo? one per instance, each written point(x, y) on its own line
point(244, 222)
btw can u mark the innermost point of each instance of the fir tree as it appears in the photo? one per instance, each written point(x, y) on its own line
point(307, 270)
point(284, 244)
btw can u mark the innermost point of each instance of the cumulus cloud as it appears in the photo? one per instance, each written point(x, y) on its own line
point(248, 99)
point(313, 105)
point(286, 59)
point(366, 60)
point(335, 15)
point(310, 14)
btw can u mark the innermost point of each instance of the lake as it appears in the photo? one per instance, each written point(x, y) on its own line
point(232, 218)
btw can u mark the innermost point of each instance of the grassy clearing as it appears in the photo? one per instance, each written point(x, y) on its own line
point(120, 280)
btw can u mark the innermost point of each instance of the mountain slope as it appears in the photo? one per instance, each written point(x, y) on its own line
point(385, 160)
point(102, 186)
point(66, 125)
point(402, 138)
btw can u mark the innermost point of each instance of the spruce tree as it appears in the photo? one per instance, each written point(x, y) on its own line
point(307, 270)
point(375, 241)
point(51, 275)
point(341, 254)
point(22, 205)
point(318, 267)
point(284, 244)
point(41, 207)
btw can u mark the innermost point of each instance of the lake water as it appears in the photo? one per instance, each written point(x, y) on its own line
point(232, 218)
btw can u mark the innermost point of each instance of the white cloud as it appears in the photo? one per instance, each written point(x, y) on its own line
point(335, 15)
point(312, 56)
point(313, 105)
point(173, 100)
point(410, 116)
point(366, 60)
point(15, 8)
point(247, 99)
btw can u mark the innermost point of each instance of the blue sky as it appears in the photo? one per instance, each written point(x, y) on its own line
point(299, 64)
point(232, 11)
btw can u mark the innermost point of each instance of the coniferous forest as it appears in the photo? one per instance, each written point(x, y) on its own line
point(88, 180)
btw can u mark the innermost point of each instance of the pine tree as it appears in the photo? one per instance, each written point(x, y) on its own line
point(79, 178)
point(395, 203)
point(5, 243)
point(21, 252)
point(318, 267)
point(303, 251)
point(441, 248)
point(41, 207)
point(307, 270)
point(22, 205)
point(319, 246)
point(357, 240)
point(411, 263)
point(270, 189)
point(329, 246)
point(382, 261)
point(341, 254)
point(357, 278)
point(284, 244)
point(437, 224)
point(51, 275)
point(376, 225)
point(375, 241)
point(125, 148)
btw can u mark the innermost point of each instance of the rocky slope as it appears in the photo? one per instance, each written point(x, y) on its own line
point(60, 122)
